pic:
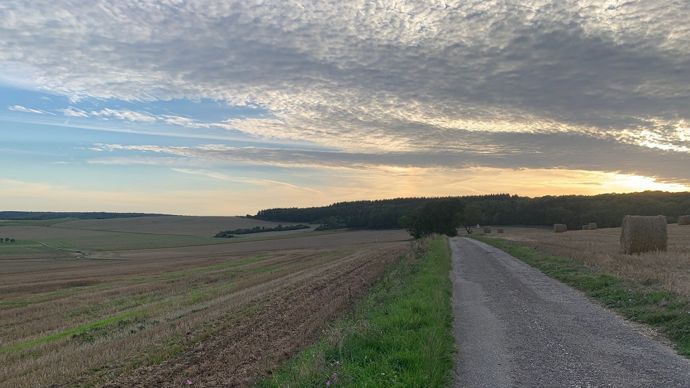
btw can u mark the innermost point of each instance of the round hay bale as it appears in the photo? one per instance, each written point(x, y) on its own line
point(560, 228)
point(499, 230)
point(643, 234)
point(487, 229)
point(592, 226)
point(585, 227)
point(684, 220)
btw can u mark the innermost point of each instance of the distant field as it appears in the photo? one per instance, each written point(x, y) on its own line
point(600, 249)
point(219, 314)
point(175, 225)
point(50, 222)
point(123, 233)
point(24, 247)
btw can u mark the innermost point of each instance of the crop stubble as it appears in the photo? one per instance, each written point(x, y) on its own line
point(201, 313)
point(601, 249)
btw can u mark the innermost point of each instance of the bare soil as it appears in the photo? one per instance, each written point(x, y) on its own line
point(291, 317)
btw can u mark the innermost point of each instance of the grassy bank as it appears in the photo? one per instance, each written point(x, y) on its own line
point(401, 334)
point(667, 312)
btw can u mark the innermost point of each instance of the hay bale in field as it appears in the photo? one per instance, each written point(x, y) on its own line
point(499, 230)
point(560, 228)
point(592, 226)
point(684, 220)
point(643, 234)
point(585, 227)
point(487, 229)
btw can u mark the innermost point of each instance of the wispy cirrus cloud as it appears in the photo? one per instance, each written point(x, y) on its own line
point(23, 109)
point(135, 116)
point(74, 112)
point(246, 180)
point(553, 152)
point(123, 114)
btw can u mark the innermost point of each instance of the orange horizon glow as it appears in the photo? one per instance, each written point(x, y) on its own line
point(375, 183)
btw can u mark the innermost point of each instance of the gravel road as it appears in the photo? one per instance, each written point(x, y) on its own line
point(516, 327)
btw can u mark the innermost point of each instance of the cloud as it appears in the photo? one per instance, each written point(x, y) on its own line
point(74, 112)
point(530, 151)
point(23, 109)
point(451, 81)
point(124, 114)
point(238, 179)
point(145, 117)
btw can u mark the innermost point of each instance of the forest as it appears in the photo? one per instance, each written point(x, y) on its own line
point(607, 210)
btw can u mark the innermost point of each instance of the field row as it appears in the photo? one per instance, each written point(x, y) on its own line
point(120, 318)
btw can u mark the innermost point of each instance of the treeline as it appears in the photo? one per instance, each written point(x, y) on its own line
point(607, 210)
point(38, 216)
point(380, 214)
point(260, 229)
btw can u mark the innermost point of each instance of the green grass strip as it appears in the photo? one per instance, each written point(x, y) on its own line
point(399, 335)
point(73, 331)
point(667, 312)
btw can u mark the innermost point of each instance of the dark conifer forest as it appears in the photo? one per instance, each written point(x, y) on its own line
point(445, 213)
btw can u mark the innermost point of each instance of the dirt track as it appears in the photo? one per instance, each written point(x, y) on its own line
point(516, 327)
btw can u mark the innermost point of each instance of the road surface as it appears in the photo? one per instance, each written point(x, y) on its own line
point(516, 327)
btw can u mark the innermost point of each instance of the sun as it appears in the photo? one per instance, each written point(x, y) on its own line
point(628, 183)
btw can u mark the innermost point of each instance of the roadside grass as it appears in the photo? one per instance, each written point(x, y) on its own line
point(399, 335)
point(647, 303)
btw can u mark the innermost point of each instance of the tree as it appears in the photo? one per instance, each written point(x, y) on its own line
point(434, 217)
point(412, 225)
point(472, 215)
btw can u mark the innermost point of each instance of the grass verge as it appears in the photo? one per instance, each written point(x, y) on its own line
point(667, 312)
point(399, 335)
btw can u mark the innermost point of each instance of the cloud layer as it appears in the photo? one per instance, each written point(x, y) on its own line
point(596, 85)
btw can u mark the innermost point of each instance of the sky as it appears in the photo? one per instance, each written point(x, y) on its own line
point(227, 107)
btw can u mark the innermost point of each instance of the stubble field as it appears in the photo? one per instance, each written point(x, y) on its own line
point(600, 249)
point(214, 314)
point(65, 236)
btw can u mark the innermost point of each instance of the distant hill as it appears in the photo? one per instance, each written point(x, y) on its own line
point(20, 215)
point(607, 210)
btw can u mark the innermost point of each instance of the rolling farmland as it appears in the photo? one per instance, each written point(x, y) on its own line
point(123, 303)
